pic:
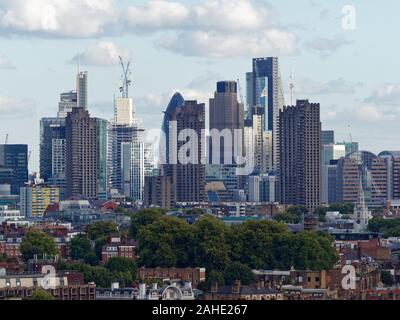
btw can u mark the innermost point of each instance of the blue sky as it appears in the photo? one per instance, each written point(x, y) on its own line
point(188, 46)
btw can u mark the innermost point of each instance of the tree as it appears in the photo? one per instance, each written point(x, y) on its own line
point(36, 242)
point(143, 218)
point(80, 247)
point(119, 264)
point(92, 259)
point(101, 229)
point(314, 251)
point(287, 217)
point(211, 248)
point(238, 271)
point(167, 242)
point(387, 278)
point(299, 211)
point(389, 227)
point(214, 277)
point(40, 294)
point(120, 210)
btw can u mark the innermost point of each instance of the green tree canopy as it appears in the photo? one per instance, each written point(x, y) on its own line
point(143, 218)
point(100, 229)
point(387, 278)
point(238, 271)
point(166, 242)
point(389, 227)
point(120, 264)
point(40, 294)
point(80, 247)
point(36, 242)
point(211, 248)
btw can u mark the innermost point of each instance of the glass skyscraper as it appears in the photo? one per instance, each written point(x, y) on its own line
point(14, 166)
point(268, 98)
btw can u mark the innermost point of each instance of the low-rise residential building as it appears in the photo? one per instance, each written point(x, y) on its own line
point(62, 286)
point(119, 247)
point(240, 292)
point(194, 275)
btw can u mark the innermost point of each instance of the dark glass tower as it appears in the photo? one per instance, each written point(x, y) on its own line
point(176, 101)
point(268, 98)
point(14, 165)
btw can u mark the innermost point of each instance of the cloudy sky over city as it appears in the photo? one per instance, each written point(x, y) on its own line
point(343, 54)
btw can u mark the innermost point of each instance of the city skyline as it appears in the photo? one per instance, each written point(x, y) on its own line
point(349, 87)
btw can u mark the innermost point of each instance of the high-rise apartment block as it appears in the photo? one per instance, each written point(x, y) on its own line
point(188, 178)
point(82, 90)
point(85, 147)
point(300, 154)
point(35, 199)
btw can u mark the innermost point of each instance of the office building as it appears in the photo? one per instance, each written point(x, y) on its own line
point(53, 149)
point(176, 101)
point(393, 169)
point(329, 152)
point(126, 151)
point(226, 120)
point(14, 166)
point(300, 154)
point(366, 167)
point(268, 96)
point(327, 137)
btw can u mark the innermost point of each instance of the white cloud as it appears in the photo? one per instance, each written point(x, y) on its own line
point(335, 86)
point(57, 18)
point(213, 28)
point(219, 45)
point(156, 15)
point(326, 46)
point(16, 108)
point(6, 63)
point(370, 113)
point(388, 94)
point(104, 53)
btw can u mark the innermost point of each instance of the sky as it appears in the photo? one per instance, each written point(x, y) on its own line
point(343, 54)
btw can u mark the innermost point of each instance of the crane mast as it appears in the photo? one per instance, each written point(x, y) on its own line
point(126, 82)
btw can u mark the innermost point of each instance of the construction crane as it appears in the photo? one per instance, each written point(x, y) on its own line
point(6, 139)
point(126, 82)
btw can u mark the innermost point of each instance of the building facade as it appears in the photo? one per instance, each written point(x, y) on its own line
point(84, 151)
point(14, 166)
point(300, 153)
point(188, 178)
